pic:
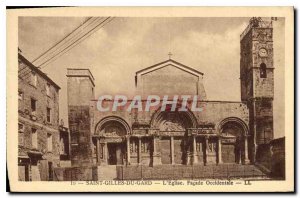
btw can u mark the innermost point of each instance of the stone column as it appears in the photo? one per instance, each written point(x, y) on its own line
point(140, 151)
point(98, 151)
point(206, 150)
point(156, 159)
point(220, 150)
point(172, 151)
point(154, 144)
point(128, 149)
point(105, 153)
point(247, 161)
point(194, 154)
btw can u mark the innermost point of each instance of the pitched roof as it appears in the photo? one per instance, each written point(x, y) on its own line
point(175, 63)
point(37, 70)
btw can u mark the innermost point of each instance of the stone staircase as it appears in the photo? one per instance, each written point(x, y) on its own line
point(161, 172)
point(108, 172)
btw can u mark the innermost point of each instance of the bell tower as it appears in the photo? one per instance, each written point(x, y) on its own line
point(257, 83)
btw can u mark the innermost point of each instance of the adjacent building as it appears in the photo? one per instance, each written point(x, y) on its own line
point(42, 140)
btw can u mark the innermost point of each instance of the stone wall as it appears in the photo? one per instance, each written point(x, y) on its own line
point(81, 173)
point(80, 92)
point(170, 78)
point(38, 93)
point(170, 81)
point(29, 120)
point(271, 157)
point(207, 115)
point(173, 172)
point(278, 158)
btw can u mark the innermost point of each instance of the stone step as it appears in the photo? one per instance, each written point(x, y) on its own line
point(190, 172)
point(108, 172)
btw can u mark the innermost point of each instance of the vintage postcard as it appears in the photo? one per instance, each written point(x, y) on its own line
point(144, 99)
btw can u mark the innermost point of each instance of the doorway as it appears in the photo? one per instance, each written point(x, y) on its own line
point(165, 144)
point(115, 153)
point(232, 152)
point(228, 153)
point(50, 168)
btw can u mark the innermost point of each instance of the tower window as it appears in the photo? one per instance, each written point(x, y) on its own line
point(263, 70)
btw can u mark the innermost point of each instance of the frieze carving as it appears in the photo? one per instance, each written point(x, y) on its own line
point(200, 131)
point(139, 131)
point(172, 133)
point(171, 125)
point(230, 140)
point(154, 132)
point(114, 140)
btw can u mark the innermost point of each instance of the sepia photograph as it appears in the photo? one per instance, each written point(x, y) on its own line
point(130, 100)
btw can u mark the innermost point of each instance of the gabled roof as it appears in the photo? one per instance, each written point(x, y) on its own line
point(37, 70)
point(166, 63)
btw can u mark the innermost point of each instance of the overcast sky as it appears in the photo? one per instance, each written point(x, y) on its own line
point(126, 45)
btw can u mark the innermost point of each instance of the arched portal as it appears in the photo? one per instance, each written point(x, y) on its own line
point(112, 126)
point(173, 120)
point(233, 132)
point(110, 142)
point(172, 127)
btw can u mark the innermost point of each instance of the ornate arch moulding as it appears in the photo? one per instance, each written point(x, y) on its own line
point(156, 118)
point(109, 119)
point(235, 120)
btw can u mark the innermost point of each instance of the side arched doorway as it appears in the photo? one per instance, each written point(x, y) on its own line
point(234, 145)
point(110, 144)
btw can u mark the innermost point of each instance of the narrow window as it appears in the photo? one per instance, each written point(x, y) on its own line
point(62, 146)
point(263, 70)
point(34, 138)
point(33, 79)
point(49, 142)
point(20, 95)
point(48, 89)
point(50, 166)
point(48, 114)
point(21, 134)
point(33, 106)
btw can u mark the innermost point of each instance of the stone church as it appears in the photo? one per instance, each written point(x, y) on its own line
point(224, 132)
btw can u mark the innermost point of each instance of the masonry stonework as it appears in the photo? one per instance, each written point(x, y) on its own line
point(39, 134)
point(80, 92)
point(224, 135)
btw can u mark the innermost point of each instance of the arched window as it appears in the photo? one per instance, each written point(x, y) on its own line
point(263, 70)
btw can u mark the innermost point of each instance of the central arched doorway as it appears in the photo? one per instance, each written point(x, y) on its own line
point(172, 126)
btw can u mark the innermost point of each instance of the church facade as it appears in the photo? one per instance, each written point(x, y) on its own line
point(224, 132)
